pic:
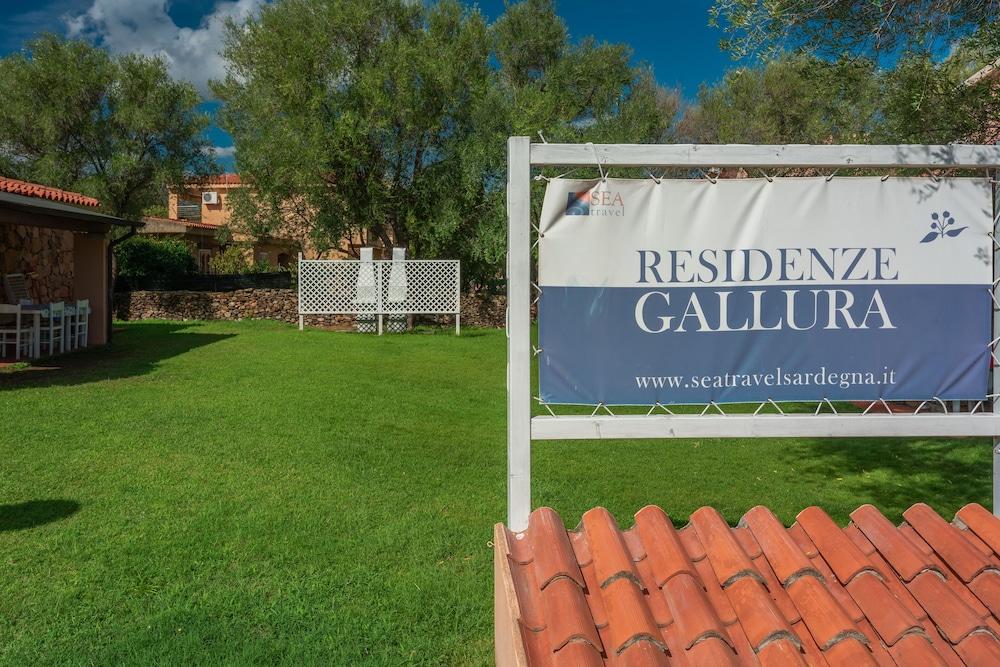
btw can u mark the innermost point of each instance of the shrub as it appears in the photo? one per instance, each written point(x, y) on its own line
point(233, 261)
point(149, 257)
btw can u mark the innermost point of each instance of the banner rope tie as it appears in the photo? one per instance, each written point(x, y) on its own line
point(711, 180)
point(545, 405)
point(826, 400)
point(597, 160)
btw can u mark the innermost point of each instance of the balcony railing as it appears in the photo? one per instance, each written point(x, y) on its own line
point(189, 211)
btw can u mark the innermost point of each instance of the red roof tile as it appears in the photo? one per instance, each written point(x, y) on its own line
point(216, 179)
point(27, 189)
point(927, 592)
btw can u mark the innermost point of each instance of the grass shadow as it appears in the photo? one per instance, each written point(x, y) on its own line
point(895, 473)
point(33, 513)
point(134, 351)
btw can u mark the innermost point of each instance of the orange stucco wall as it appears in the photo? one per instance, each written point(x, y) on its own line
point(90, 252)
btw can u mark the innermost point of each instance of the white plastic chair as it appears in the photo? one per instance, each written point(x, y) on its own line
point(16, 331)
point(53, 329)
point(79, 327)
point(17, 289)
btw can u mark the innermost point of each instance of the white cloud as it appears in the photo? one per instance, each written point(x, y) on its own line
point(224, 151)
point(144, 26)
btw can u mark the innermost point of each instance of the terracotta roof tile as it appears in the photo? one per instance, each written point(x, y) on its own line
point(967, 561)
point(27, 189)
point(915, 650)
point(844, 557)
point(905, 558)
point(216, 179)
point(982, 523)
point(925, 593)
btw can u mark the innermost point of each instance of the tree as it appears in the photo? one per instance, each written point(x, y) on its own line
point(926, 50)
point(117, 128)
point(860, 27)
point(795, 99)
point(390, 118)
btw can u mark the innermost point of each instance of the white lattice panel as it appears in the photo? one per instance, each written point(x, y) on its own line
point(391, 287)
point(334, 287)
point(417, 286)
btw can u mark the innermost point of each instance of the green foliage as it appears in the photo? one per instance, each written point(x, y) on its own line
point(797, 99)
point(804, 99)
point(151, 257)
point(860, 27)
point(233, 261)
point(117, 128)
point(926, 49)
point(388, 118)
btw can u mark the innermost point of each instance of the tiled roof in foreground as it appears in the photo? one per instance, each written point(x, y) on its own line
point(924, 593)
point(27, 189)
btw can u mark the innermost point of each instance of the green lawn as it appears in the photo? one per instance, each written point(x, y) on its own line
point(245, 493)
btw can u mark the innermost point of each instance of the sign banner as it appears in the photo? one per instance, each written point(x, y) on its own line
point(745, 290)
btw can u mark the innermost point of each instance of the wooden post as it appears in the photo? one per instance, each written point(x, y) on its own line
point(518, 332)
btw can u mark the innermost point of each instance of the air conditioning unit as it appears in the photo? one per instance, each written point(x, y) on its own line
point(209, 197)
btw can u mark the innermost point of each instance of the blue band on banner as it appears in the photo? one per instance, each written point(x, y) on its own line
point(637, 345)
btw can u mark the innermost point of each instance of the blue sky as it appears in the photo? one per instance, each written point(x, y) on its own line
point(678, 43)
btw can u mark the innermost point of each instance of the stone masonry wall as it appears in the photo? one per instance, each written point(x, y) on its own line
point(44, 256)
point(271, 304)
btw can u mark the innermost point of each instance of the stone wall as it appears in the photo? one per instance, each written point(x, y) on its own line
point(272, 304)
point(44, 256)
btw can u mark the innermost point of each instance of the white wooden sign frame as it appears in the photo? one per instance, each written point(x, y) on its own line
point(522, 427)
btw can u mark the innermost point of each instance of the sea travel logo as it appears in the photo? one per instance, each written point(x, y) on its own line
point(602, 203)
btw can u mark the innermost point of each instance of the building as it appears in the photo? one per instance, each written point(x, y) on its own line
point(198, 213)
point(62, 246)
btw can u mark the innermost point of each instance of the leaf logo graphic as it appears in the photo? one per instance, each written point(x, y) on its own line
point(942, 226)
